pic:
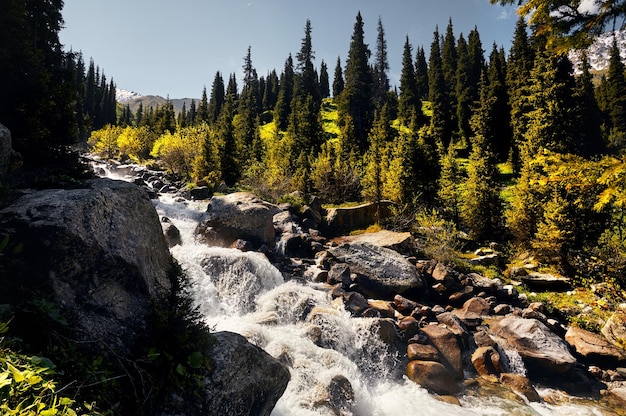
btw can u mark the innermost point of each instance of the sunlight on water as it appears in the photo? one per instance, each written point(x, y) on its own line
point(302, 326)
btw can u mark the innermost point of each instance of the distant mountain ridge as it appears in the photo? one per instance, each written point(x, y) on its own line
point(599, 52)
point(133, 99)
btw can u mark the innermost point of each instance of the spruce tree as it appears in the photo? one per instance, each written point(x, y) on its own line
point(498, 93)
point(481, 209)
point(192, 114)
point(463, 88)
point(520, 64)
point(270, 95)
point(247, 125)
point(476, 58)
point(306, 77)
point(324, 80)
point(616, 98)
point(449, 192)
point(356, 98)
point(589, 136)
point(203, 109)
point(285, 95)
point(409, 103)
point(228, 151)
point(421, 74)
point(449, 63)
point(381, 69)
point(441, 122)
point(216, 101)
point(338, 83)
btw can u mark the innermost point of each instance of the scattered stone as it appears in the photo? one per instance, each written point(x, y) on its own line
point(483, 283)
point(433, 376)
point(383, 307)
point(448, 345)
point(355, 303)
point(544, 281)
point(339, 273)
point(171, 233)
point(473, 311)
point(521, 385)
point(404, 305)
point(409, 326)
point(486, 361)
point(595, 349)
point(543, 352)
point(502, 309)
point(423, 352)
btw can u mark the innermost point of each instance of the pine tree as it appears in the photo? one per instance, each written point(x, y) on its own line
point(306, 77)
point(464, 93)
point(476, 58)
point(381, 68)
point(285, 95)
point(247, 125)
point(373, 179)
point(409, 103)
point(450, 185)
point(228, 152)
point(324, 80)
point(616, 98)
point(203, 109)
point(498, 93)
point(232, 89)
point(551, 122)
point(588, 113)
point(449, 63)
point(139, 119)
point(441, 121)
point(216, 101)
point(192, 114)
point(270, 95)
point(338, 83)
point(356, 98)
point(481, 210)
point(520, 64)
point(421, 74)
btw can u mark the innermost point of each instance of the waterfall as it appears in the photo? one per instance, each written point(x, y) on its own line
point(302, 326)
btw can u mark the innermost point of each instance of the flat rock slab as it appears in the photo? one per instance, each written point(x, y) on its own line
point(595, 348)
point(400, 242)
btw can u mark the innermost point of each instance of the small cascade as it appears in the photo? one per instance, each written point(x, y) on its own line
point(339, 365)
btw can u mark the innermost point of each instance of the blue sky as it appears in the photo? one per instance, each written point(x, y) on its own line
point(166, 47)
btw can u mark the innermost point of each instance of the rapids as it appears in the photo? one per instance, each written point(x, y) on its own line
point(298, 323)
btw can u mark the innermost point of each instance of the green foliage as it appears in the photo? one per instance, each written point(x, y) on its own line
point(439, 238)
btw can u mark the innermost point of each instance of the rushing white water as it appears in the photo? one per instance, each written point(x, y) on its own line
point(299, 323)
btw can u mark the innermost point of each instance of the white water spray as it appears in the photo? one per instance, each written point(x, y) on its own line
point(302, 326)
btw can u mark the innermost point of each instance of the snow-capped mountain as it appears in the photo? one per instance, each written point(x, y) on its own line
point(599, 52)
point(124, 96)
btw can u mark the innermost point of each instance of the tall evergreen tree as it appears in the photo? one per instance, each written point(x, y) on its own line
point(228, 151)
point(409, 103)
point(247, 126)
point(442, 124)
point(498, 93)
point(216, 100)
point(449, 192)
point(449, 63)
point(285, 95)
point(589, 116)
point(481, 209)
point(421, 73)
point(520, 64)
point(338, 83)
point(307, 83)
point(192, 113)
point(616, 98)
point(356, 98)
point(381, 69)
point(463, 90)
point(203, 109)
point(324, 80)
point(270, 95)
point(232, 89)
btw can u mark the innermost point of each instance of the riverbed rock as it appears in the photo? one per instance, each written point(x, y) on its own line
point(171, 233)
point(614, 329)
point(521, 385)
point(473, 311)
point(448, 345)
point(345, 219)
point(595, 349)
point(240, 215)
point(98, 252)
point(380, 273)
point(486, 361)
point(403, 243)
point(433, 376)
point(543, 352)
point(228, 392)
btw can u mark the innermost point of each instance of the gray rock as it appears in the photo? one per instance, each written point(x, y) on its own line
point(240, 215)
point(6, 150)
point(542, 351)
point(401, 242)
point(380, 273)
point(99, 252)
point(245, 380)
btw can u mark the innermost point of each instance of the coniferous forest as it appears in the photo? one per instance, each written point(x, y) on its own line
point(508, 146)
point(475, 144)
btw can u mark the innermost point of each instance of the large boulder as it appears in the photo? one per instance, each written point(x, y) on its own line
point(433, 376)
point(345, 219)
point(614, 329)
point(401, 242)
point(6, 150)
point(595, 348)
point(380, 273)
point(448, 345)
point(238, 216)
point(542, 351)
point(245, 379)
point(97, 252)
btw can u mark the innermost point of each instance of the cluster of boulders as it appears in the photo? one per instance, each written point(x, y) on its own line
point(454, 327)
